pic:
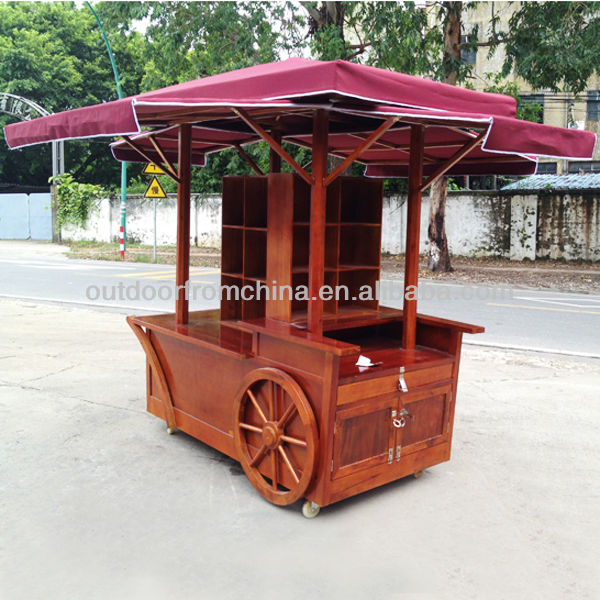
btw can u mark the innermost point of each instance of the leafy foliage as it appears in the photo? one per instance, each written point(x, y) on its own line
point(74, 201)
point(188, 40)
point(52, 53)
point(528, 111)
point(553, 45)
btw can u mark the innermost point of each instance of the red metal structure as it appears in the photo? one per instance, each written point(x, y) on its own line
point(274, 382)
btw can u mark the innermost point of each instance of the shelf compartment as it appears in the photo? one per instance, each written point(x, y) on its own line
point(255, 254)
point(332, 246)
point(355, 282)
point(255, 202)
point(360, 245)
point(300, 245)
point(230, 307)
point(255, 307)
point(233, 205)
point(301, 201)
point(299, 279)
point(232, 250)
point(361, 200)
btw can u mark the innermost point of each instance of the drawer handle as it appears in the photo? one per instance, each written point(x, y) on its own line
point(399, 423)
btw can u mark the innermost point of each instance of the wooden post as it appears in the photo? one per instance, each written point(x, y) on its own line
point(316, 267)
point(413, 225)
point(274, 158)
point(183, 223)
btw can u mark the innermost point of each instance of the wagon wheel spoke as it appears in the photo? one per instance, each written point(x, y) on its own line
point(272, 401)
point(288, 464)
point(287, 415)
point(293, 440)
point(250, 427)
point(256, 405)
point(259, 456)
point(278, 401)
point(274, 466)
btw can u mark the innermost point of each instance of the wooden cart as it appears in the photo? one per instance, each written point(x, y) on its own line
point(274, 382)
point(291, 405)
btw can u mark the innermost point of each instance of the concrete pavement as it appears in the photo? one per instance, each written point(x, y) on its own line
point(100, 503)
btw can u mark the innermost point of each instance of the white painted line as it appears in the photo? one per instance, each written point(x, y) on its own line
point(65, 265)
point(551, 308)
point(81, 303)
point(592, 302)
point(561, 351)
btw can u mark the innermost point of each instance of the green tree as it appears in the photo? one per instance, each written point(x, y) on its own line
point(190, 40)
point(554, 45)
point(52, 53)
point(549, 44)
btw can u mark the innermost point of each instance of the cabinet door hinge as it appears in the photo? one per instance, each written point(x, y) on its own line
point(390, 456)
point(398, 452)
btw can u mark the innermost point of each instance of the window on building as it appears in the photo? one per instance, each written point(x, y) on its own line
point(535, 99)
point(584, 166)
point(547, 167)
point(593, 105)
point(467, 54)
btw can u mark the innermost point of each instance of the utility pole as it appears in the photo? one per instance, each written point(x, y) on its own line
point(123, 232)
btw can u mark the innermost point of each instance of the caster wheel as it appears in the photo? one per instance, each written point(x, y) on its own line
point(418, 474)
point(310, 510)
point(171, 430)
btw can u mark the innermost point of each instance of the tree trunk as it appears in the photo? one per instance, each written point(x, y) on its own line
point(439, 257)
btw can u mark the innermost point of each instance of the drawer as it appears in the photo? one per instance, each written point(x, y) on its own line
point(369, 388)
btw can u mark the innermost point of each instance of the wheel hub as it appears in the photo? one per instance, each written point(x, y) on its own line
point(271, 435)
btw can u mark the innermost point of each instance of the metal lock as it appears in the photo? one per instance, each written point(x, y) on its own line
point(402, 387)
point(400, 421)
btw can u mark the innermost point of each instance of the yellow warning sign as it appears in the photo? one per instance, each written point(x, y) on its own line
point(155, 190)
point(152, 169)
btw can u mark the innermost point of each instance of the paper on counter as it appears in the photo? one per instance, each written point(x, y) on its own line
point(364, 361)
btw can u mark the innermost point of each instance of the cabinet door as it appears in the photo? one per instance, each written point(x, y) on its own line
point(424, 418)
point(364, 435)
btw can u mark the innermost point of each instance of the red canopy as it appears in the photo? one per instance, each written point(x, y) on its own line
point(280, 97)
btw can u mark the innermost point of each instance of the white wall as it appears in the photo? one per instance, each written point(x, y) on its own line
point(477, 224)
point(105, 221)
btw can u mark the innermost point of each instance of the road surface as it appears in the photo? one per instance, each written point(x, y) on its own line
point(524, 318)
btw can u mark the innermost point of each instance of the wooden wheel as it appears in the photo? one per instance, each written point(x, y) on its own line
point(275, 435)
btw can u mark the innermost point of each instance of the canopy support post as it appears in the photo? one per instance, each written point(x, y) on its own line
point(248, 159)
point(148, 158)
point(456, 157)
point(413, 225)
point(316, 266)
point(366, 144)
point(274, 158)
point(278, 148)
point(182, 272)
point(160, 152)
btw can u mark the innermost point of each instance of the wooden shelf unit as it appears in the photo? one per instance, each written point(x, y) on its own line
point(244, 244)
point(352, 242)
point(279, 253)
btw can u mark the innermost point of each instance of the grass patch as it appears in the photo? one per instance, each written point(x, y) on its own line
point(142, 253)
